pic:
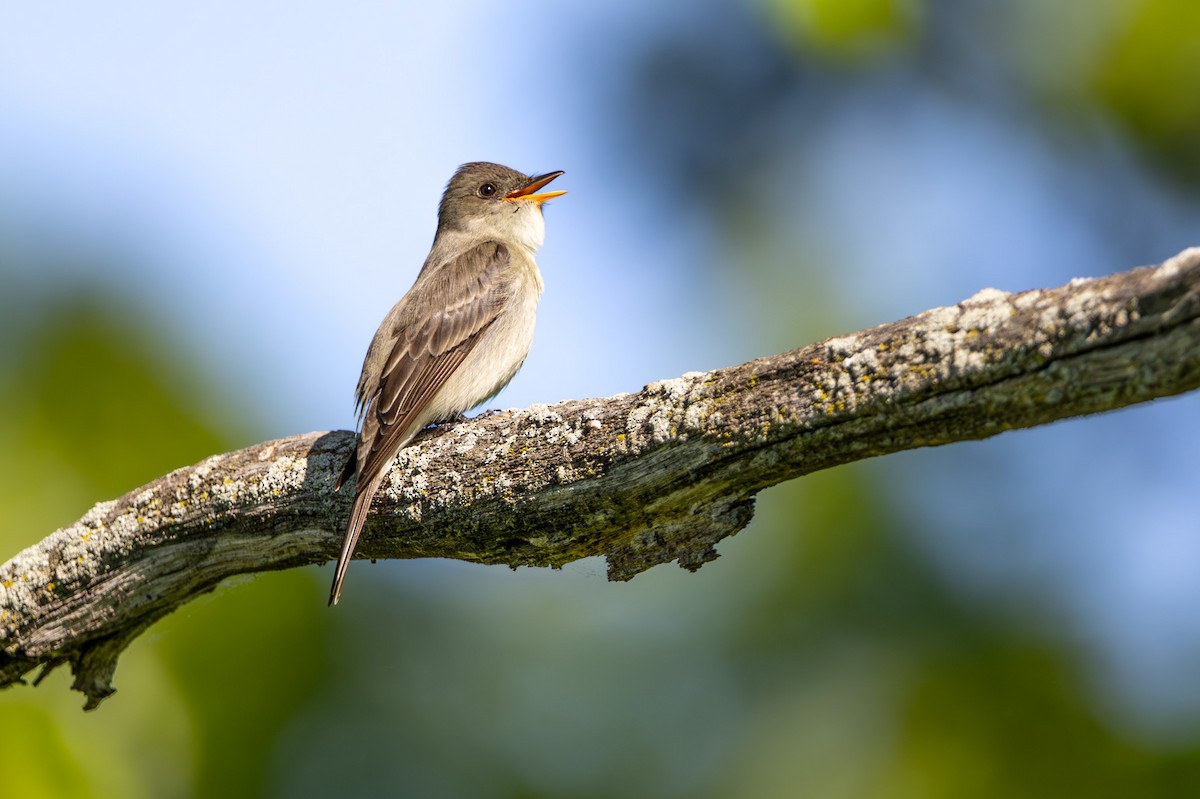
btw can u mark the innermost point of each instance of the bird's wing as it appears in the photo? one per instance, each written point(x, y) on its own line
point(426, 348)
point(431, 346)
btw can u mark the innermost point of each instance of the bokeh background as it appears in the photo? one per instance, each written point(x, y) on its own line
point(205, 209)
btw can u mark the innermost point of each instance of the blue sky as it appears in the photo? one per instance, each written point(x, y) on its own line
point(279, 158)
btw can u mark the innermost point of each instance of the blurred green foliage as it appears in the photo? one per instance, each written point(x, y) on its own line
point(847, 29)
point(106, 441)
point(1148, 77)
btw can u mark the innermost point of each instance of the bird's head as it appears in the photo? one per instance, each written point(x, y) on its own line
point(495, 202)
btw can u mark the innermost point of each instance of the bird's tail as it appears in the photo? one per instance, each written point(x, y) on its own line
point(358, 517)
point(348, 470)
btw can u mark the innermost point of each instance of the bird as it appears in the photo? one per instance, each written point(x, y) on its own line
point(461, 332)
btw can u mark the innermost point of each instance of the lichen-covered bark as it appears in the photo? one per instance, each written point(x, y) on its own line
point(642, 478)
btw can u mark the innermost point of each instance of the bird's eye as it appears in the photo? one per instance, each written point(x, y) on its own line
point(487, 189)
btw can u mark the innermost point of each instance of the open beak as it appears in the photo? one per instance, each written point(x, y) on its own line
point(527, 192)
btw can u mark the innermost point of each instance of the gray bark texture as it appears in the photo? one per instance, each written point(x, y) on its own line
point(660, 475)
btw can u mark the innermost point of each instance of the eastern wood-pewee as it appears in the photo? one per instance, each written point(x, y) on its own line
point(460, 333)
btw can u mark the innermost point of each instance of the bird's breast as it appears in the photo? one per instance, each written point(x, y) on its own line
point(504, 345)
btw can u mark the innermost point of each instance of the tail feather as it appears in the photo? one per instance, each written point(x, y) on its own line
point(348, 470)
point(358, 518)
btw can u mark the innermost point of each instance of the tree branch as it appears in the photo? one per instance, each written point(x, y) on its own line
point(642, 478)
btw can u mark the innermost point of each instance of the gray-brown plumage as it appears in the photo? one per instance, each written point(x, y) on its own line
point(460, 333)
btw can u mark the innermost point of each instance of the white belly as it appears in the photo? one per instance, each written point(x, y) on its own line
point(496, 358)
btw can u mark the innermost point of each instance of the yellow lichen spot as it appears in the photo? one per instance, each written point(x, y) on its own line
point(86, 536)
point(50, 588)
point(8, 583)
